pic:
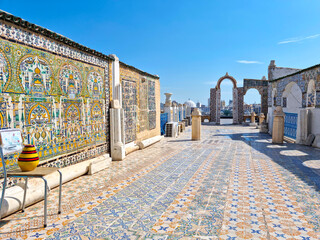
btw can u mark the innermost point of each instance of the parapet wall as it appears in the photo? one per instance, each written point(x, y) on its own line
point(141, 104)
point(58, 93)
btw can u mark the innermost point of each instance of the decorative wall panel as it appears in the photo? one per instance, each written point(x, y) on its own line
point(152, 104)
point(129, 104)
point(58, 103)
point(143, 106)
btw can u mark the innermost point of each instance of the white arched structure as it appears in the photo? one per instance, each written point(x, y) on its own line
point(190, 106)
point(292, 98)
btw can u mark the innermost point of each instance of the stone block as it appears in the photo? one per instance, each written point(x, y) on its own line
point(145, 143)
point(310, 139)
point(99, 164)
point(316, 142)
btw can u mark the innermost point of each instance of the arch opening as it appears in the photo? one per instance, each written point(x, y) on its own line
point(226, 105)
point(216, 108)
point(291, 99)
point(252, 103)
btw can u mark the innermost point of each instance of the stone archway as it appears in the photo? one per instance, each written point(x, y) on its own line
point(215, 100)
point(226, 77)
point(262, 86)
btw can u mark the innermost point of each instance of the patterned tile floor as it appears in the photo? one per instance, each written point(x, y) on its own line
point(233, 184)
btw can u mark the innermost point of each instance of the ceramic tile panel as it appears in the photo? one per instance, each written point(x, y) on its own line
point(129, 105)
point(152, 104)
point(143, 106)
point(56, 102)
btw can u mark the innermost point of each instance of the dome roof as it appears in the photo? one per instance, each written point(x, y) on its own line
point(190, 103)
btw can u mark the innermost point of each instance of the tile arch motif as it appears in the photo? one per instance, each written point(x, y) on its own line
point(72, 121)
point(38, 115)
point(70, 80)
point(96, 111)
point(95, 84)
point(39, 70)
point(72, 112)
point(96, 117)
point(5, 70)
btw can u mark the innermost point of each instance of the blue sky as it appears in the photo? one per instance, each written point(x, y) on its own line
point(189, 44)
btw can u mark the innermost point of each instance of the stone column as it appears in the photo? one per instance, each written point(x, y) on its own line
point(116, 86)
point(253, 117)
point(167, 106)
point(235, 106)
point(261, 118)
point(185, 111)
point(196, 124)
point(213, 110)
point(278, 125)
point(117, 137)
point(181, 112)
point(175, 112)
point(303, 126)
point(240, 105)
point(117, 133)
point(218, 105)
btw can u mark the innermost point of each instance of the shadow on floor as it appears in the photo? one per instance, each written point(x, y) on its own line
point(280, 154)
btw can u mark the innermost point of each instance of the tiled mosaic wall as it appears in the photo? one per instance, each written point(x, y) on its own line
point(302, 79)
point(58, 93)
point(143, 110)
point(59, 103)
point(129, 105)
point(152, 104)
point(138, 102)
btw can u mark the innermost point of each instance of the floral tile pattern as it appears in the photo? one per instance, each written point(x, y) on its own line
point(233, 184)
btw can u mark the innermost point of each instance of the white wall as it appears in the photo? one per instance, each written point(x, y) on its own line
point(315, 121)
point(278, 72)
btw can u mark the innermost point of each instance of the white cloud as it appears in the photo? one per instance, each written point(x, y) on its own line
point(249, 62)
point(298, 39)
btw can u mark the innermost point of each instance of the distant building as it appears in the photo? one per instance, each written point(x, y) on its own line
point(161, 106)
point(249, 108)
point(223, 104)
point(190, 106)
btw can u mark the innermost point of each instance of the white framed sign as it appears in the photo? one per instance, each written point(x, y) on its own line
point(11, 140)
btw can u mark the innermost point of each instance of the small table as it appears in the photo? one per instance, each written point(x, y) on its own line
point(39, 172)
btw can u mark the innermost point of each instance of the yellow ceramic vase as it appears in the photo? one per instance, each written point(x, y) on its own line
point(28, 159)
